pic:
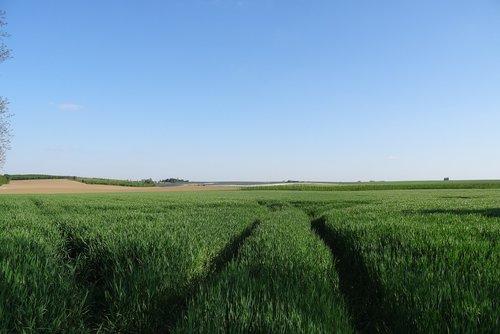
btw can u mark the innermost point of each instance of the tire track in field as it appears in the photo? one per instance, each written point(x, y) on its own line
point(362, 292)
point(361, 295)
point(95, 279)
point(178, 304)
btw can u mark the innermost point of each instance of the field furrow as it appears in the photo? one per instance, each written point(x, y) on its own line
point(419, 271)
point(283, 281)
point(130, 266)
point(260, 262)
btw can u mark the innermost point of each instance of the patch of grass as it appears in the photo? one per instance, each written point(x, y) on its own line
point(422, 261)
point(429, 270)
point(112, 265)
point(283, 281)
point(36, 290)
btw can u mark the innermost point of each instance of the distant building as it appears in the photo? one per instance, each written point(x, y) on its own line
point(447, 179)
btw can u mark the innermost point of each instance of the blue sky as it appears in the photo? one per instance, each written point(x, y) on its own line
point(254, 90)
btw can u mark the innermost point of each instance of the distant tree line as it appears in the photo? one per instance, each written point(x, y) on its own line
point(19, 177)
point(142, 183)
point(173, 180)
point(88, 180)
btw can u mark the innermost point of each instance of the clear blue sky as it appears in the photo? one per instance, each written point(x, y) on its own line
point(254, 89)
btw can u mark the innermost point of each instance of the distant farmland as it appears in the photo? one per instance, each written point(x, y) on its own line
point(88, 180)
point(400, 261)
point(69, 186)
point(410, 185)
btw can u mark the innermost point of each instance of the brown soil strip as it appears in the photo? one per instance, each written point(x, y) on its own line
point(73, 187)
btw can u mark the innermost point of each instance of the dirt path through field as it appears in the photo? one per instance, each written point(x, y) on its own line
point(71, 187)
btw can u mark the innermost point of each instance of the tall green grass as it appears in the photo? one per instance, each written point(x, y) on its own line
point(431, 267)
point(3, 180)
point(394, 261)
point(16, 177)
point(114, 266)
point(283, 281)
point(36, 288)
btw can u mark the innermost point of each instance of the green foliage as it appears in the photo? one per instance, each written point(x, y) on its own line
point(111, 182)
point(421, 261)
point(17, 177)
point(3, 180)
point(432, 266)
point(173, 180)
point(36, 290)
point(108, 264)
point(284, 281)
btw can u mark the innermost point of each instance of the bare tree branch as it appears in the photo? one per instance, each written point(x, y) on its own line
point(4, 51)
point(5, 132)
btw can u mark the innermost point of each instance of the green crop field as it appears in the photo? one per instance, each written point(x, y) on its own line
point(412, 261)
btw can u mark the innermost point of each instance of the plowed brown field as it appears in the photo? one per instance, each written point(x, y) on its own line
point(68, 187)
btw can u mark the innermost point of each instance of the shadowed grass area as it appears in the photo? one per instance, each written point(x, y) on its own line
point(426, 270)
point(363, 293)
point(490, 212)
point(116, 265)
point(283, 281)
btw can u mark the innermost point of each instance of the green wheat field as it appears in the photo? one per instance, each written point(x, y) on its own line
point(261, 261)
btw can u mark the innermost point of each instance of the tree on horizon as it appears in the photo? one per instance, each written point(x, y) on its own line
point(5, 131)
